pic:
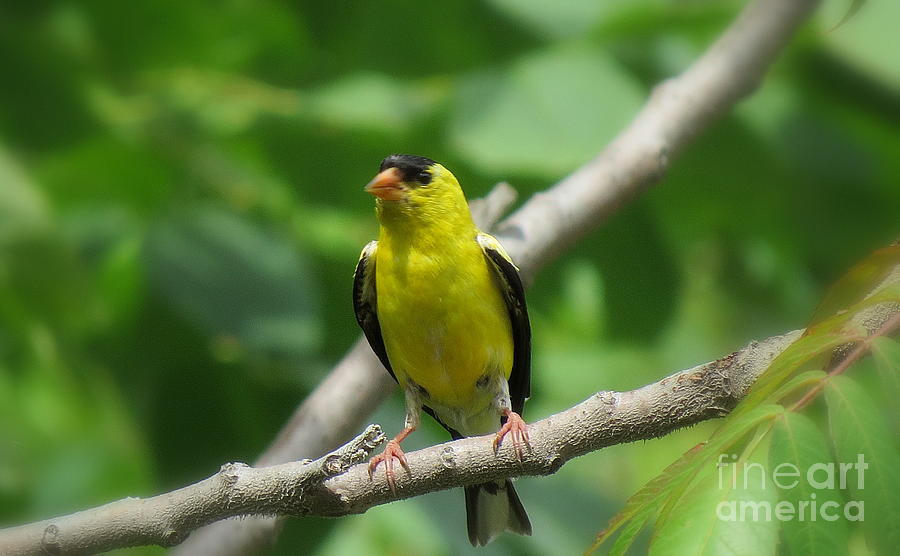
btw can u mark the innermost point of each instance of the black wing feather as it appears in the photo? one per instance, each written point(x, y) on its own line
point(365, 304)
point(514, 295)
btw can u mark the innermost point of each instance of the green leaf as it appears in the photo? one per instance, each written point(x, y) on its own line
point(249, 290)
point(223, 103)
point(370, 101)
point(562, 18)
point(819, 339)
point(855, 6)
point(731, 436)
point(857, 282)
point(799, 353)
point(842, 322)
point(626, 537)
point(664, 492)
point(861, 437)
point(797, 446)
point(800, 381)
point(724, 513)
point(525, 121)
point(120, 277)
point(886, 352)
point(868, 41)
point(105, 170)
point(23, 209)
point(645, 501)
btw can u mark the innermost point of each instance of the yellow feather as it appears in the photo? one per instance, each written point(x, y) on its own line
point(444, 321)
point(443, 308)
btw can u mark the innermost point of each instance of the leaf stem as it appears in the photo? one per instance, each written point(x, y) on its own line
point(861, 349)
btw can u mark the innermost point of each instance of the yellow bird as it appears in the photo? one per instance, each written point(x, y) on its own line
point(443, 307)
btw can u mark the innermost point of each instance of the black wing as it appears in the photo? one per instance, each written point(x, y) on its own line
point(514, 294)
point(365, 305)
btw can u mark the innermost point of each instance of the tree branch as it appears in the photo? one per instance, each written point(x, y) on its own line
point(167, 519)
point(681, 399)
point(545, 226)
point(606, 418)
point(334, 486)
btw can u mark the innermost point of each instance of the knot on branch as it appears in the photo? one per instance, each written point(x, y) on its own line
point(448, 457)
point(50, 540)
point(356, 451)
point(333, 465)
point(173, 537)
point(606, 397)
point(230, 472)
point(554, 463)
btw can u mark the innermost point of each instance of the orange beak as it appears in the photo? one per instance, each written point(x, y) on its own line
point(387, 185)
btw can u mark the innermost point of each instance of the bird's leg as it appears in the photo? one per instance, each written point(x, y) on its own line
point(392, 450)
point(514, 425)
point(517, 428)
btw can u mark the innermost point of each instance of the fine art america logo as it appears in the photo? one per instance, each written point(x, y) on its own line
point(818, 478)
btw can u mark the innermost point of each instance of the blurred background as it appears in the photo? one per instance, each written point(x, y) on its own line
point(181, 211)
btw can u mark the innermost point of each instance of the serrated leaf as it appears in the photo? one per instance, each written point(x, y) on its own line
point(723, 513)
point(831, 330)
point(639, 507)
point(798, 445)
point(626, 537)
point(857, 282)
point(804, 379)
point(861, 436)
point(731, 436)
point(665, 490)
point(792, 359)
point(843, 322)
point(886, 352)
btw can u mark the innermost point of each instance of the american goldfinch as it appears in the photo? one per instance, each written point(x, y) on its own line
point(442, 306)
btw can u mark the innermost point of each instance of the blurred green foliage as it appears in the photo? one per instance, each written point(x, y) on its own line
point(181, 212)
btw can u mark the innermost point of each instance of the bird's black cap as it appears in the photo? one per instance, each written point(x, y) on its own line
point(409, 165)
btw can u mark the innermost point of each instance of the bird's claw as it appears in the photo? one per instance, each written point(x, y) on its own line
point(518, 429)
point(391, 452)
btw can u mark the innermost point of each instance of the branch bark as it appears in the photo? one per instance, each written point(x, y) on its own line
point(167, 519)
point(545, 226)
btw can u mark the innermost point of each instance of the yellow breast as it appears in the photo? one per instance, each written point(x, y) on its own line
point(444, 322)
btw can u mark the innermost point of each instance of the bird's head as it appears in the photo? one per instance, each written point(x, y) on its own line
point(415, 187)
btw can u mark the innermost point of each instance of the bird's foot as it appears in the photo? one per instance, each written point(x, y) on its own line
point(391, 452)
point(517, 428)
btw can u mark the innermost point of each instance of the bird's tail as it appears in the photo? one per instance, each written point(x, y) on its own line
point(492, 508)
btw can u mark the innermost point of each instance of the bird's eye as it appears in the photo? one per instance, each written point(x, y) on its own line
point(424, 177)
